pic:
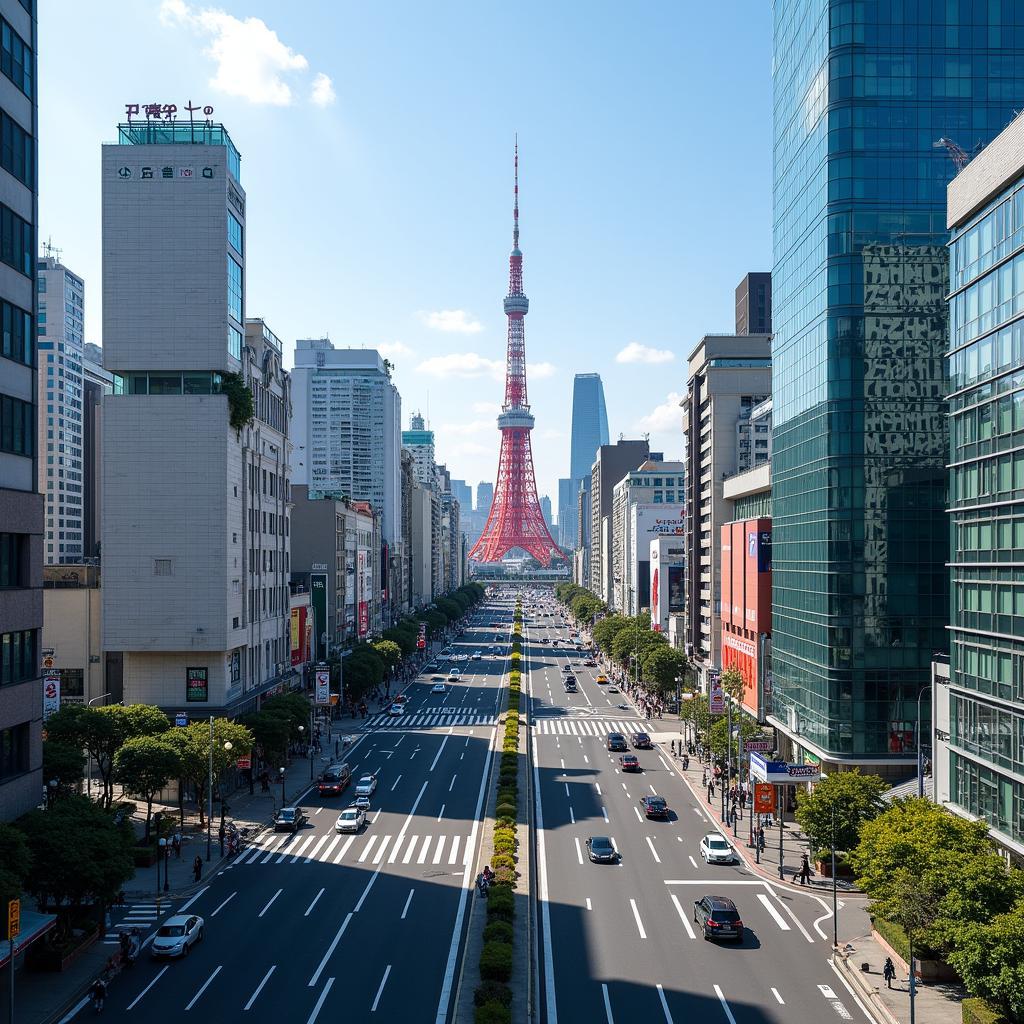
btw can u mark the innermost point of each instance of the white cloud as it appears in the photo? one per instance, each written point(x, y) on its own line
point(394, 350)
point(464, 365)
point(665, 417)
point(471, 429)
point(252, 62)
point(322, 93)
point(634, 352)
point(539, 371)
point(486, 408)
point(455, 321)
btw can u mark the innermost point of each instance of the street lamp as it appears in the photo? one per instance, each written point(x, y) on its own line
point(835, 902)
point(51, 791)
point(223, 807)
point(280, 772)
point(89, 704)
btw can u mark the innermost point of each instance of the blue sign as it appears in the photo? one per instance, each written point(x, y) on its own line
point(181, 719)
point(781, 773)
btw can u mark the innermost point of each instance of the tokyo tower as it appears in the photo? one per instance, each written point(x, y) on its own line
point(515, 519)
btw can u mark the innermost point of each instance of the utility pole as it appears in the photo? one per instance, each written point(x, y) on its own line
point(209, 796)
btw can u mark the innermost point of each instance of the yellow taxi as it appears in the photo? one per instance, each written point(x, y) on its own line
point(602, 678)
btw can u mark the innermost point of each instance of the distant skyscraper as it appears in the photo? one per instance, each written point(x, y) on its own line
point(484, 497)
point(464, 493)
point(589, 432)
point(420, 443)
point(545, 509)
point(754, 304)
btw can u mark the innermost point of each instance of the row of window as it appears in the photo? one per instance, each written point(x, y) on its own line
point(17, 337)
point(19, 656)
point(994, 733)
point(996, 479)
point(234, 289)
point(16, 244)
point(996, 353)
point(17, 150)
point(15, 58)
point(17, 426)
point(991, 301)
point(988, 240)
point(988, 795)
point(165, 383)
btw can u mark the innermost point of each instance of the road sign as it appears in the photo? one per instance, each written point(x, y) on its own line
point(13, 919)
point(764, 798)
point(181, 719)
point(763, 745)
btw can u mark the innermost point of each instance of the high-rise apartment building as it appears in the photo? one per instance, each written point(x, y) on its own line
point(183, 470)
point(420, 442)
point(861, 95)
point(348, 427)
point(754, 304)
point(978, 760)
point(21, 506)
point(96, 382)
point(60, 327)
point(589, 432)
point(727, 377)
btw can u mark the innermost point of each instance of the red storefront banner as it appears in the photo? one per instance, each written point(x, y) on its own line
point(364, 618)
point(764, 798)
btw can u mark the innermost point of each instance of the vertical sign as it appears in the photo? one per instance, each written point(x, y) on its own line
point(13, 919)
point(51, 694)
point(364, 585)
point(323, 686)
point(318, 602)
point(197, 685)
point(716, 701)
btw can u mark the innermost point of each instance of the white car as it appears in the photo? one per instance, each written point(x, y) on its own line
point(177, 935)
point(395, 710)
point(477, 655)
point(439, 688)
point(362, 802)
point(715, 849)
point(454, 675)
point(352, 819)
point(366, 785)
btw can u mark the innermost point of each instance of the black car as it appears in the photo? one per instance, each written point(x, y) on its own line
point(289, 819)
point(654, 806)
point(601, 850)
point(570, 686)
point(616, 741)
point(718, 918)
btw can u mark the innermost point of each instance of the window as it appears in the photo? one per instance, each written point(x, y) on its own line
point(13, 552)
point(235, 290)
point(162, 567)
point(16, 149)
point(17, 426)
point(14, 746)
point(15, 58)
point(235, 234)
point(72, 682)
point(234, 342)
point(19, 657)
point(16, 244)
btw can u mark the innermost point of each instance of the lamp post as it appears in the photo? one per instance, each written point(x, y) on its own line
point(223, 807)
point(161, 845)
point(89, 704)
point(835, 899)
point(280, 772)
point(920, 750)
point(209, 797)
point(51, 791)
point(156, 821)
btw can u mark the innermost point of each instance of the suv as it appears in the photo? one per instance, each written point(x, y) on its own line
point(289, 819)
point(718, 918)
point(616, 741)
point(334, 780)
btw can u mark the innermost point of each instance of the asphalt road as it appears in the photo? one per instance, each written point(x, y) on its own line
point(618, 943)
point(320, 926)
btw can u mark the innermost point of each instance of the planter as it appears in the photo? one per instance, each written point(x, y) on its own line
point(48, 958)
point(824, 868)
point(144, 856)
point(928, 971)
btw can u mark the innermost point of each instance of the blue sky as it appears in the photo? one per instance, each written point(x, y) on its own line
point(376, 143)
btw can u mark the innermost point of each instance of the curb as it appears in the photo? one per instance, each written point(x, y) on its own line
point(842, 962)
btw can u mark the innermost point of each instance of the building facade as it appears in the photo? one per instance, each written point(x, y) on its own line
point(589, 432)
point(347, 427)
point(978, 759)
point(96, 382)
point(73, 633)
point(859, 443)
point(21, 506)
point(754, 304)
point(420, 443)
point(60, 327)
point(728, 376)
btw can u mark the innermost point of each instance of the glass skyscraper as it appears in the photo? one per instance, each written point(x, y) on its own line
point(862, 91)
point(589, 432)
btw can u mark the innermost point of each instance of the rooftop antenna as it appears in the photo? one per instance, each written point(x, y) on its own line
point(956, 153)
point(51, 251)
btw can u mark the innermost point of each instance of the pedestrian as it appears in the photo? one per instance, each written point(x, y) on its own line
point(335, 748)
point(197, 868)
point(176, 843)
point(760, 838)
point(704, 777)
point(889, 971)
point(805, 869)
point(673, 748)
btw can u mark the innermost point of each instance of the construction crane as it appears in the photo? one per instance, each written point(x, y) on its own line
point(956, 153)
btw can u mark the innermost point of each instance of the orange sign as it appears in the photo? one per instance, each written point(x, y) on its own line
point(764, 798)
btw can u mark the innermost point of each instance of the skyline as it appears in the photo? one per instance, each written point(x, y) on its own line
point(407, 253)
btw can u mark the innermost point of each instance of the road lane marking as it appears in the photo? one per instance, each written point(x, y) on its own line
point(224, 904)
point(776, 916)
point(846, 985)
point(405, 909)
point(806, 934)
point(259, 987)
point(654, 852)
point(344, 849)
point(608, 1005)
point(438, 754)
point(302, 846)
point(778, 998)
point(195, 998)
point(664, 1005)
point(383, 982)
point(320, 1002)
point(309, 909)
point(395, 849)
point(271, 900)
point(566, 784)
point(366, 849)
point(639, 923)
point(579, 851)
point(316, 849)
point(440, 849)
point(440, 813)
point(182, 909)
point(149, 986)
point(454, 855)
point(410, 849)
point(452, 783)
point(604, 813)
point(682, 915)
point(725, 1006)
point(572, 816)
point(692, 861)
point(424, 850)
point(333, 843)
point(589, 907)
point(597, 786)
point(395, 783)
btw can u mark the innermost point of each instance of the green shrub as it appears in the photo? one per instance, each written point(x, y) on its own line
point(502, 860)
point(504, 823)
point(500, 903)
point(978, 1011)
point(894, 935)
point(506, 847)
point(505, 877)
point(492, 1012)
point(506, 809)
point(509, 761)
point(493, 991)
point(498, 931)
point(507, 795)
point(504, 831)
point(496, 961)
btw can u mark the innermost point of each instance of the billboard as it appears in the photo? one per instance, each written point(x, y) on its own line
point(323, 686)
point(197, 685)
point(364, 590)
point(668, 580)
point(299, 634)
point(51, 693)
point(318, 602)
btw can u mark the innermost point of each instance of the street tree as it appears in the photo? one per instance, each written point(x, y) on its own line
point(271, 734)
point(390, 653)
point(63, 763)
point(435, 620)
point(15, 862)
point(448, 608)
point(404, 639)
point(662, 666)
point(606, 629)
point(293, 708)
point(193, 746)
point(847, 799)
point(990, 959)
point(731, 681)
point(144, 765)
point(718, 738)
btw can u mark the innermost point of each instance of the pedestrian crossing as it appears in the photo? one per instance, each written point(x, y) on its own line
point(369, 847)
point(590, 726)
point(430, 720)
point(140, 915)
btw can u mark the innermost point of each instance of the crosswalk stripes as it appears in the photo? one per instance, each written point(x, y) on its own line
point(429, 720)
point(367, 848)
point(139, 915)
point(589, 727)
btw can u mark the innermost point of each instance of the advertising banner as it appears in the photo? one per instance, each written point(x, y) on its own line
point(364, 587)
point(676, 589)
point(294, 633)
point(764, 798)
point(717, 701)
point(197, 685)
point(781, 773)
point(323, 686)
point(299, 636)
point(364, 618)
point(318, 602)
point(51, 694)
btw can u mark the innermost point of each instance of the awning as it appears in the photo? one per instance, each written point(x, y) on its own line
point(33, 926)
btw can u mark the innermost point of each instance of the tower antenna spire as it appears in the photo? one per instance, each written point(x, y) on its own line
point(515, 200)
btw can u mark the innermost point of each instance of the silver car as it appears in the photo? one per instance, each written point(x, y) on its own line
point(177, 935)
point(366, 785)
point(351, 819)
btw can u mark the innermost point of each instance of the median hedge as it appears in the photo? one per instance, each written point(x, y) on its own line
point(978, 1011)
point(492, 1012)
point(496, 961)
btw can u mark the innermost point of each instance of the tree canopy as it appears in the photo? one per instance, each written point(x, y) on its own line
point(144, 765)
point(847, 799)
point(193, 746)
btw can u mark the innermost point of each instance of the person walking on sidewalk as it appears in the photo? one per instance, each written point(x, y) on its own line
point(197, 867)
point(889, 972)
point(805, 869)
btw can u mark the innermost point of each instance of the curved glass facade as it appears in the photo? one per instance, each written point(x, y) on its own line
point(863, 89)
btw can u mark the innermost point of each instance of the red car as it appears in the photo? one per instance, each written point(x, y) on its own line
point(629, 763)
point(654, 806)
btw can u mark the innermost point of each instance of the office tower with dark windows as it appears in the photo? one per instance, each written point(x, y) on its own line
point(863, 91)
point(96, 382)
point(754, 304)
point(21, 505)
point(589, 432)
point(60, 326)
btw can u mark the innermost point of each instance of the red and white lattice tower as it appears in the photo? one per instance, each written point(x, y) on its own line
point(515, 519)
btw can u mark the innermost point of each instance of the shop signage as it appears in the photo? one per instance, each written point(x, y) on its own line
point(197, 685)
point(781, 773)
point(165, 111)
point(323, 686)
point(51, 694)
point(764, 798)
